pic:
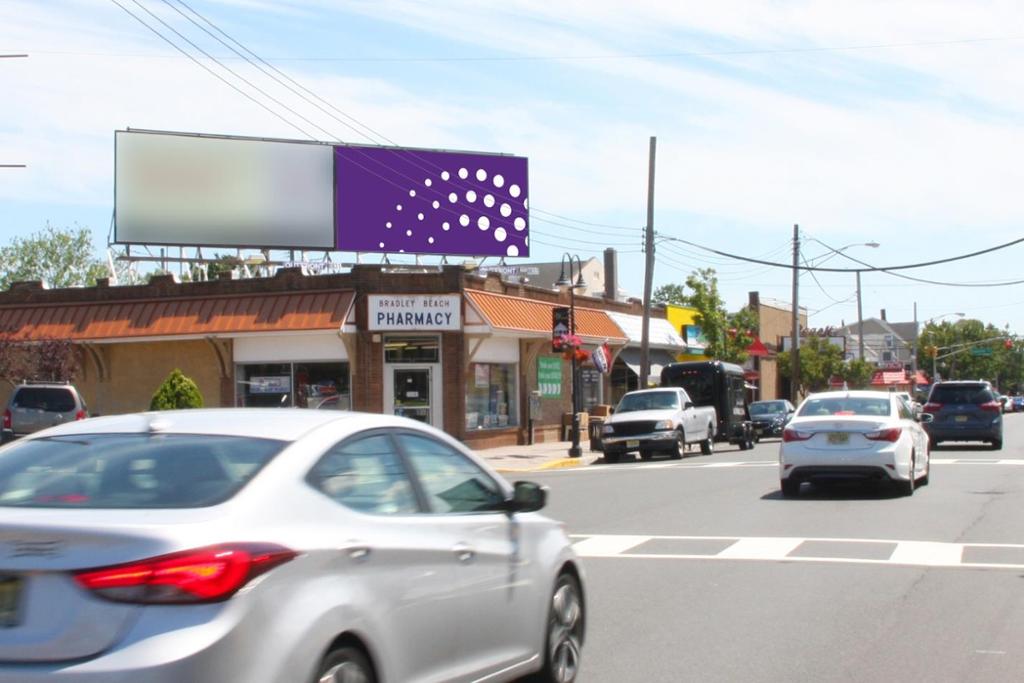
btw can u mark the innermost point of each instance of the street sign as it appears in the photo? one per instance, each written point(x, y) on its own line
point(981, 351)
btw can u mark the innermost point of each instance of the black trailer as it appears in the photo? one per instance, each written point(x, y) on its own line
point(721, 386)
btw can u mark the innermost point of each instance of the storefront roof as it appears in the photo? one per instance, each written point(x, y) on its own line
point(527, 315)
point(661, 332)
point(890, 377)
point(178, 317)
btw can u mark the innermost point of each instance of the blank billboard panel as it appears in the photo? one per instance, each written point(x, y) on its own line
point(395, 200)
point(214, 191)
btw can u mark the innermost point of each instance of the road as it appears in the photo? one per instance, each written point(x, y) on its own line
point(699, 570)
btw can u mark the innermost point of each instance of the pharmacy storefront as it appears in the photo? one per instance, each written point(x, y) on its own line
point(410, 327)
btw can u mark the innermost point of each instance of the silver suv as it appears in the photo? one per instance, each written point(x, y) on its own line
point(38, 405)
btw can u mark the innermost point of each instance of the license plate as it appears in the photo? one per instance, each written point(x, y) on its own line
point(633, 444)
point(960, 418)
point(10, 596)
point(838, 437)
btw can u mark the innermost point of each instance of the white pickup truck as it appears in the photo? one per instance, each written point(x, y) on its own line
point(652, 420)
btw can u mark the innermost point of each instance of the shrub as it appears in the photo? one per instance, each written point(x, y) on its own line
point(177, 391)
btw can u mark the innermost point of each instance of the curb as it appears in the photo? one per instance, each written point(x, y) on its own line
point(561, 463)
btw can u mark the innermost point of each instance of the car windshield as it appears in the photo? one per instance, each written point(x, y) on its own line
point(961, 393)
point(845, 405)
point(52, 400)
point(130, 470)
point(648, 400)
point(767, 408)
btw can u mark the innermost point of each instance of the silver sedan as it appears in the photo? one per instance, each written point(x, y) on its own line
point(278, 546)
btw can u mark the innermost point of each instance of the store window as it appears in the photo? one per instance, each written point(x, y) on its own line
point(491, 401)
point(319, 386)
point(412, 350)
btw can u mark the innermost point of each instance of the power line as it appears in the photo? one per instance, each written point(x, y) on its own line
point(212, 72)
point(851, 270)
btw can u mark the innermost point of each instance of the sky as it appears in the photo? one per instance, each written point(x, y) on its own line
point(896, 122)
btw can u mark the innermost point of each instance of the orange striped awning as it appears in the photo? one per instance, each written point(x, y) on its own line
point(527, 315)
point(111, 320)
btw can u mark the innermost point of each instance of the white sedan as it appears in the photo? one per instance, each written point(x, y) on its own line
point(276, 545)
point(869, 435)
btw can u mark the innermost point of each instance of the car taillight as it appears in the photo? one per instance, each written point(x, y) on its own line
point(891, 434)
point(202, 575)
point(80, 415)
point(7, 419)
point(991, 406)
point(932, 407)
point(794, 435)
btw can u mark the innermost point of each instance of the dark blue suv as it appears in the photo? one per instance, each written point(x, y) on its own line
point(964, 411)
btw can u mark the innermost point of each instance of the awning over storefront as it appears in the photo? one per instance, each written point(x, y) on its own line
point(757, 349)
point(182, 317)
point(890, 378)
point(658, 358)
point(516, 314)
point(661, 333)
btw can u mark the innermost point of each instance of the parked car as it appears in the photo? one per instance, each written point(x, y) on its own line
point(1018, 404)
point(276, 545)
point(653, 420)
point(868, 435)
point(38, 405)
point(964, 411)
point(769, 417)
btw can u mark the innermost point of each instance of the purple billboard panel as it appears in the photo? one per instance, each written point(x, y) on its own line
point(395, 200)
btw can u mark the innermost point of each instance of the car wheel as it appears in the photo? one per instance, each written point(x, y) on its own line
point(907, 487)
point(790, 488)
point(679, 450)
point(345, 664)
point(646, 454)
point(923, 481)
point(997, 444)
point(707, 446)
point(565, 633)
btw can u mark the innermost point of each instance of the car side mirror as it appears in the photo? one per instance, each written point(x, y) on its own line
point(528, 496)
point(925, 418)
point(688, 404)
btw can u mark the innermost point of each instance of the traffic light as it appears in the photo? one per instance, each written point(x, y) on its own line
point(933, 351)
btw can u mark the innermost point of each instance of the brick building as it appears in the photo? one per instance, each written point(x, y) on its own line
point(442, 345)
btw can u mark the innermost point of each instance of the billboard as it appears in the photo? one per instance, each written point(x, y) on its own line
point(395, 200)
point(193, 190)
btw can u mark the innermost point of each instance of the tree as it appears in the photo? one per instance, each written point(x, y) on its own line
point(728, 335)
point(857, 373)
point(47, 359)
point(177, 391)
point(819, 361)
point(59, 257)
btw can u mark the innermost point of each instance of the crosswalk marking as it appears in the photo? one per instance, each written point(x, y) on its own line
point(789, 549)
point(760, 548)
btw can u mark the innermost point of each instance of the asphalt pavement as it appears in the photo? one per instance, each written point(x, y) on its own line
point(700, 570)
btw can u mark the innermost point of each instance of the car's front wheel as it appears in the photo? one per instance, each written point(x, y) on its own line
point(565, 632)
point(345, 664)
point(679, 447)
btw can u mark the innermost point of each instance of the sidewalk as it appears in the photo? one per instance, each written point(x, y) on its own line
point(538, 457)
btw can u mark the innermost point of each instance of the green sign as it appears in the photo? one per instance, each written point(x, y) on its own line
point(981, 351)
point(549, 377)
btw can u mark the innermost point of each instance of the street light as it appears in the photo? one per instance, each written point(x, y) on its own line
point(563, 281)
point(860, 315)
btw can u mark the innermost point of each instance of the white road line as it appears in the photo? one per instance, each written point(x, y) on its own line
point(968, 461)
point(756, 463)
point(608, 546)
point(778, 549)
point(760, 548)
point(928, 553)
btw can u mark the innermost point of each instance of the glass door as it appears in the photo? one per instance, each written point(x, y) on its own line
point(411, 391)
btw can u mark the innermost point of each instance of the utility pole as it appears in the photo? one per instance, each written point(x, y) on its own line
point(794, 354)
point(860, 321)
point(913, 359)
point(645, 334)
